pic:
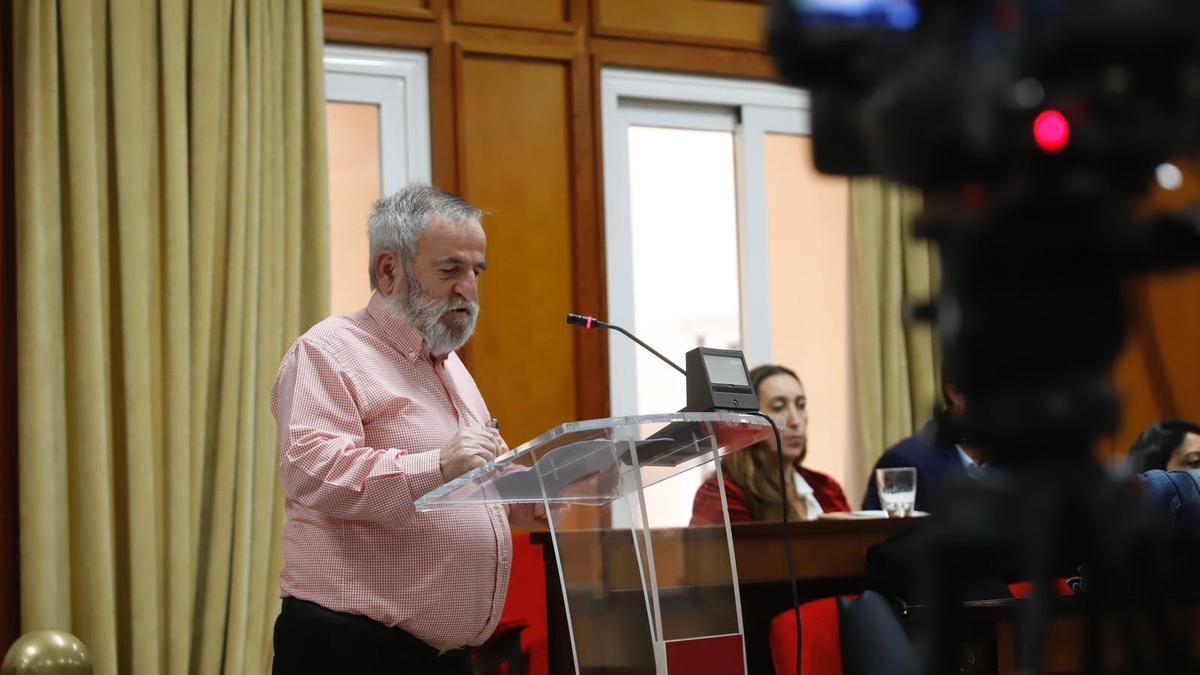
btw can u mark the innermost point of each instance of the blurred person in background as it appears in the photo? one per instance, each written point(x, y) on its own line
point(933, 452)
point(751, 476)
point(1170, 445)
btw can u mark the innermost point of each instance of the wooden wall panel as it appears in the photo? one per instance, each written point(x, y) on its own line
point(536, 14)
point(1131, 380)
point(1158, 374)
point(1171, 305)
point(515, 161)
point(716, 22)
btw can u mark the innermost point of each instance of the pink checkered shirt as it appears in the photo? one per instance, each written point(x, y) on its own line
point(362, 411)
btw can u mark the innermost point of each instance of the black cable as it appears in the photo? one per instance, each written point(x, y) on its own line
point(787, 533)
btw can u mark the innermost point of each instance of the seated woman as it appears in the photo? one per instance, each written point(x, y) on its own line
point(752, 475)
point(1171, 445)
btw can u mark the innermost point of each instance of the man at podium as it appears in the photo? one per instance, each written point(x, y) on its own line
point(374, 410)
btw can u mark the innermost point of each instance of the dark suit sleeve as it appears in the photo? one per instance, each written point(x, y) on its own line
point(870, 500)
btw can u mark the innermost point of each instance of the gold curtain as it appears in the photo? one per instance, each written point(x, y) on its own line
point(896, 366)
point(173, 240)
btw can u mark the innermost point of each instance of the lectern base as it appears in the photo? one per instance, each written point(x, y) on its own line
point(719, 655)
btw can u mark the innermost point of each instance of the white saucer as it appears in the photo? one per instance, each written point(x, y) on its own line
point(864, 515)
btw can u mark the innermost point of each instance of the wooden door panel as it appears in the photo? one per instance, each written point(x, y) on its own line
point(515, 163)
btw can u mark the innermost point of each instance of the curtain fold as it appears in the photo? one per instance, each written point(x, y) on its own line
point(896, 366)
point(173, 240)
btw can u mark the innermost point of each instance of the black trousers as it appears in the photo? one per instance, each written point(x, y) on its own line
point(312, 640)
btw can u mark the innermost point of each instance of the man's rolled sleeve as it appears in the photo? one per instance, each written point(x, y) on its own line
point(324, 460)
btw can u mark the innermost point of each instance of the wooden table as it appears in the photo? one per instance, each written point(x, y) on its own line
point(829, 558)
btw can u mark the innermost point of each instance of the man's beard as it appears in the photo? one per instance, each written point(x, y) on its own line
point(443, 332)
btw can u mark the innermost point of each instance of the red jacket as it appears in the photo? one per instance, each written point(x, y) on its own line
point(706, 508)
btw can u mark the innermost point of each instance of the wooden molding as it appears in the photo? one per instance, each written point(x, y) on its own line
point(519, 43)
point(468, 12)
point(391, 8)
point(442, 114)
point(645, 36)
point(587, 240)
point(460, 155)
point(356, 29)
point(684, 58)
point(579, 13)
point(720, 23)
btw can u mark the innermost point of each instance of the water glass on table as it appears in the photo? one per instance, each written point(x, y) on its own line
point(897, 490)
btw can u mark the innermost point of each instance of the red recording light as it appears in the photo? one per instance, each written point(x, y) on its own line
point(1051, 131)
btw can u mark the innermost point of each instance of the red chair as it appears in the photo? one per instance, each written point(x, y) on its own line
point(1023, 589)
point(821, 651)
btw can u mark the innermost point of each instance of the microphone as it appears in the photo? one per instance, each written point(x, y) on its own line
point(590, 322)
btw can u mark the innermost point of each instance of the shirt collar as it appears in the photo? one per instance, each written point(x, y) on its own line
point(401, 336)
point(802, 487)
point(973, 468)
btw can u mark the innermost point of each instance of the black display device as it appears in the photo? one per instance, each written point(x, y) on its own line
point(717, 379)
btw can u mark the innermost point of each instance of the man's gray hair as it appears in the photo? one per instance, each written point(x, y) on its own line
point(397, 221)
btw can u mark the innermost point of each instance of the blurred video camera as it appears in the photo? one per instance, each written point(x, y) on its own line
point(1034, 128)
point(927, 92)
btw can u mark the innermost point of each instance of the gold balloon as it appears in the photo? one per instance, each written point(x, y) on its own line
point(48, 652)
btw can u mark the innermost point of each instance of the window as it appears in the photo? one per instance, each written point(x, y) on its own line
point(377, 128)
point(719, 233)
point(683, 239)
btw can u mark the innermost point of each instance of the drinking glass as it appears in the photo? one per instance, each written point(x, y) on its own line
point(897, 490)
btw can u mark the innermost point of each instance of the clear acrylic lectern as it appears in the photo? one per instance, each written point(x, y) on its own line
point(639, 598)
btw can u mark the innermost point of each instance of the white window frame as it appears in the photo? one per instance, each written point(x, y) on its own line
point(747, 108)
point(398, 82)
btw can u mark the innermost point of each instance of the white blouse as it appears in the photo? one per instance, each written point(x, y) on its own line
point(805, 491)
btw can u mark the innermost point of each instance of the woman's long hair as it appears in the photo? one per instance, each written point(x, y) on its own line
point(756, 471)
